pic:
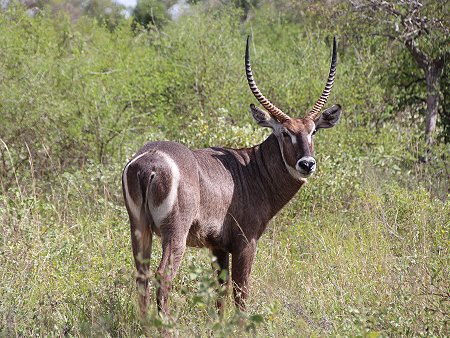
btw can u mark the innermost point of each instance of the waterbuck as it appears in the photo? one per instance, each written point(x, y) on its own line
point(219, 198)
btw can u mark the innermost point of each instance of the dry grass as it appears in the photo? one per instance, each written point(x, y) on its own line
point(382, 265)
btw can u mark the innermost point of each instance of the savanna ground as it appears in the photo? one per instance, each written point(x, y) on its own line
point(362, 250)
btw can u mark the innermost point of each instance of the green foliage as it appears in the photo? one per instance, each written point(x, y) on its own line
point(362, 250)
point(418, 34)
point(71, 91)
point(107, 12)
point(150, 13)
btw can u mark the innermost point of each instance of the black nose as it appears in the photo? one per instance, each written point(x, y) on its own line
point(307, 165)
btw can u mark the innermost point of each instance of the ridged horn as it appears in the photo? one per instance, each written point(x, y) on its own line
point(273, 111)
point(315, 111)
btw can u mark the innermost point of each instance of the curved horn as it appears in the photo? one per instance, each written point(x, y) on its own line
point(315, 111)
point(273, 111)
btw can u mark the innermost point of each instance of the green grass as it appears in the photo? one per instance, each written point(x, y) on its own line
point(380, 264)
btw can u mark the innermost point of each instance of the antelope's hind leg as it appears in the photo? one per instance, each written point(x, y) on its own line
point(173, 248)
point(141, 240)
point(135, 181)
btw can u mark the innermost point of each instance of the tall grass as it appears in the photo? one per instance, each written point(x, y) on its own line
point(378, 262)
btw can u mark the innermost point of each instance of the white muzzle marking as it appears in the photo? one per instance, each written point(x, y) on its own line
point(302, 169)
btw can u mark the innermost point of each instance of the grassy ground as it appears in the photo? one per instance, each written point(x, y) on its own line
point(374, 261)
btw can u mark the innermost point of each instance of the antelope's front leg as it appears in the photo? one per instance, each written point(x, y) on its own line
point(242, 261)
point(223, 265)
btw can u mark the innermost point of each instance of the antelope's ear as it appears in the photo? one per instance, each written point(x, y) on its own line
point(263, 118)
point(329, 118)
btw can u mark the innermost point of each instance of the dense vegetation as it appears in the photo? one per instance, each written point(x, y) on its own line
point(363, 250)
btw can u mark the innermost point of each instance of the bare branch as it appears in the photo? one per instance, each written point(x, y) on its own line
point(418, 55)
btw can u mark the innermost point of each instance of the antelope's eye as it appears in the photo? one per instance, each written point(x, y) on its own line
point(314, 131)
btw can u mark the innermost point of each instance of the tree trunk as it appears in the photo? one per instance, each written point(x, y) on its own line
point(432, 77)
point(433, 71)
point(432, 102)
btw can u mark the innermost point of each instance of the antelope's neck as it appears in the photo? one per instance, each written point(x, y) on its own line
point(273, 180)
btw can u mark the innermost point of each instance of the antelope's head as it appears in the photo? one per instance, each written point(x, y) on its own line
point(295, 135)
